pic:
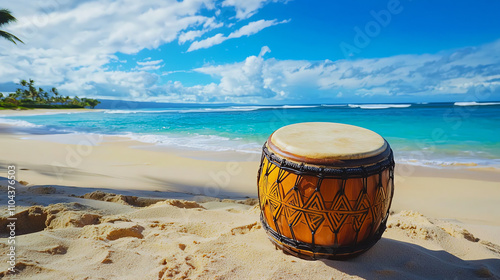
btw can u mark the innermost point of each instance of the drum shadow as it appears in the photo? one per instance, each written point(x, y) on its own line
point(208, 190)
point(392, 259)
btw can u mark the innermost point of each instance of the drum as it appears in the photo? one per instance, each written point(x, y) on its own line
point(325, 189)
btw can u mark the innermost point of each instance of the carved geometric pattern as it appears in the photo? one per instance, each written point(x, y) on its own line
point(293, 198)
point(263, 190)
point(314, 220)
point(379, 203)
point(276, 207)
point(315, 202)
point(311, 210)
point(274, 191)
point(293, 215)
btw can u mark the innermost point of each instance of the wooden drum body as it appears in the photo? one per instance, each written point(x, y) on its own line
point(325, 189)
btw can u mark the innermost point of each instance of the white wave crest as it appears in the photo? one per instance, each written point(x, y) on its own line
point(450, 163)
point(333, 105)
point(298, 106)
point(136, 111)
point(19, 123)
point(229, 109)
point(379, 106)
point(474, 103)
point(197, 142)
point(210, 110)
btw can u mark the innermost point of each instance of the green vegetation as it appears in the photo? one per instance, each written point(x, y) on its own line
point(28, 96)
point(5, 18)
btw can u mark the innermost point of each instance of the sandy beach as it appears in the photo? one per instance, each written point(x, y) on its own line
point(94, 207)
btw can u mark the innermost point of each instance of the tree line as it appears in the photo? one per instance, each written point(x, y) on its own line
point(29, 96)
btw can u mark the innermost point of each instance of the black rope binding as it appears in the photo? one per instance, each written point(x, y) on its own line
point(321, 251)
point(330, 172)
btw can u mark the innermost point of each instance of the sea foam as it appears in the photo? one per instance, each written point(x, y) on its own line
point(197, 142)
point(19, 123)
point(474, 103)
point(378, 106)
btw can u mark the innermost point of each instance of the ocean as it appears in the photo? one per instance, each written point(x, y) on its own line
point(434, 134)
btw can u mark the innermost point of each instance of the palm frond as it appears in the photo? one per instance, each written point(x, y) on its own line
point(6, 17)
point(10, 37)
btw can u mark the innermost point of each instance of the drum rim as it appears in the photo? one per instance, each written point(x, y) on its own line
point(339, 169)
point(331, 159)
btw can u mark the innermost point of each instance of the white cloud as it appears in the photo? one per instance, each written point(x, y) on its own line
point(209, 25)
point(247, 8)
point(66, 37)
point(246, 30)
point(462, 72)
point(70, 44)
point(465, 72)
point(264, 50)
point(254, 27)
point(207, 43)
point(191, 35)
point(240, 79)
point(149, 62)
point(148, 65)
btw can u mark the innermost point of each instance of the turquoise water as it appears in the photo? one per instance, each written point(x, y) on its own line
point(428, 134)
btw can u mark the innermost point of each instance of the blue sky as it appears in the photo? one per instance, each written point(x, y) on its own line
point(257, 51)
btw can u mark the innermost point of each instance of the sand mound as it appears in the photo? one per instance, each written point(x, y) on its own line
point(248, 201)
point(30, 268)
point(113, 231)
point(179, 203)
point(55, 250)
point(42, 190)
point(458, 232)
point(245, 229)
point(123, 199)
point(113, 219)
point(416, 225)
point(65, 215)
point(61, 215)
point(72, 219)
point(28, 221)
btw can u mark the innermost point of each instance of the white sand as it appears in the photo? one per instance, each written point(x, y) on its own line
point(446, 224)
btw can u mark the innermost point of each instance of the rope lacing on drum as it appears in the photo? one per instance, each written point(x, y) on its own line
point(320, 179)
point(301, 168)
point(364, 179)
point(328, 173)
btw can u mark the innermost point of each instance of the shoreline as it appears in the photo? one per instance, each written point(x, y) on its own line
point(216, 147)
point(210, 151)
point(31, 112)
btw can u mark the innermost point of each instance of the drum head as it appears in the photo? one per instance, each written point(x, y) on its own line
point(324, 143)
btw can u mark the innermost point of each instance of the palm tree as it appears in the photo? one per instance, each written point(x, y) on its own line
point(54, 91)
point(46, 97)
point(5, 18)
